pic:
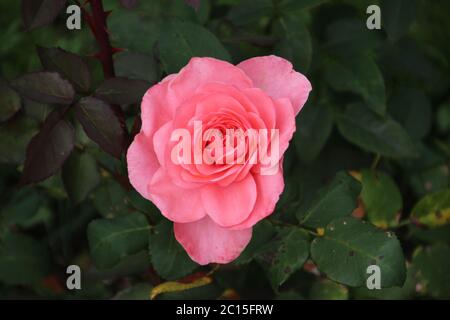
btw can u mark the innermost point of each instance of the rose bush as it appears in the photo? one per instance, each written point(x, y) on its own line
point(365, 179)
point(214, 206)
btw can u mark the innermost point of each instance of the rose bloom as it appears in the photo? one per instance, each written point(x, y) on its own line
point(215, 205)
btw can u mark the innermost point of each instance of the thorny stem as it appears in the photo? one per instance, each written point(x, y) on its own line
point(96, 19)
point(101, 35)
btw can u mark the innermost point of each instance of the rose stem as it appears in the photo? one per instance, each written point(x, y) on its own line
point(97, 24)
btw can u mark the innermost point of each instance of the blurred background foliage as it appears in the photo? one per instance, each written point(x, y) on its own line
point(367, 172)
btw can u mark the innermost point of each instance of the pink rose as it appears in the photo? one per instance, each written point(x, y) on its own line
point(214, 205)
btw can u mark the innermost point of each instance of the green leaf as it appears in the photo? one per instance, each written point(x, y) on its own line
point(338, 199)
point(250, 12)
point(80, 176)
point(412, 109)
point(134, 29)
point(139, 203)
point(37, 110)
point(406, 55)
point(122, 90)
point(129, 4)
point(433, 210)
point(111, 240)
point(431, 265)
point(22, 209)
point(328, 290)
point(169, 259)
point(292, 192)
point(102, 124)
point(443, 117)
point(14, 138)
point(46, 87)
point(289, 295)
point(23, 260)
point(397, 17)
point(180, 41)
point(263, 232)
point(131, 265)
point(9, 101)
point(382, 198)
point(140, 291)
point(110, 199)
point(284, 255)
point(430, 180)
point(72, 223)
point(314, 125)
point(359, 75)
point(406, 291)
point(48, 149)
point(68, 64)
point(169, 9)
point(290, 6)
point(348, 37)
point(135, 65)
point(295, 44)
point(350, 245)
point(427, 173)
point(430, 236)
point(38, 13)
point(375, 133)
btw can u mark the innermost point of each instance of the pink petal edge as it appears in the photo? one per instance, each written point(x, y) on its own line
point(277, 78)
point(206, 242)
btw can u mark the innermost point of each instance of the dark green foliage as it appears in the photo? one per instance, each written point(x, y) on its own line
point(366, 173)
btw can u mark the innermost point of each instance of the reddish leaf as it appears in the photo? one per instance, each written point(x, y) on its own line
point(102, 124)
point(122, 90)
point(68, 64)
point(38, 13)
point(46, 87)
point(48, 149)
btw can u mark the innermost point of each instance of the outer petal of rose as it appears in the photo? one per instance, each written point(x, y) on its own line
point(158, 106)
point(176, 204)
point(142, 163)
point(200, 71)
point(269, 190)
point(232, 204)
point(285, 122)
point(206, 242)
point(276, 77)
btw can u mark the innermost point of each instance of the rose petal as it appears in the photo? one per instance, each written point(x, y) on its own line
point(285, 122)
point(200, 71)
point(206, 242)
point(269, 189)
point(232, 204)
point(264, 105)
point(176, 203)
point(142, 163)
point(158, 107)
point(276, 77)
